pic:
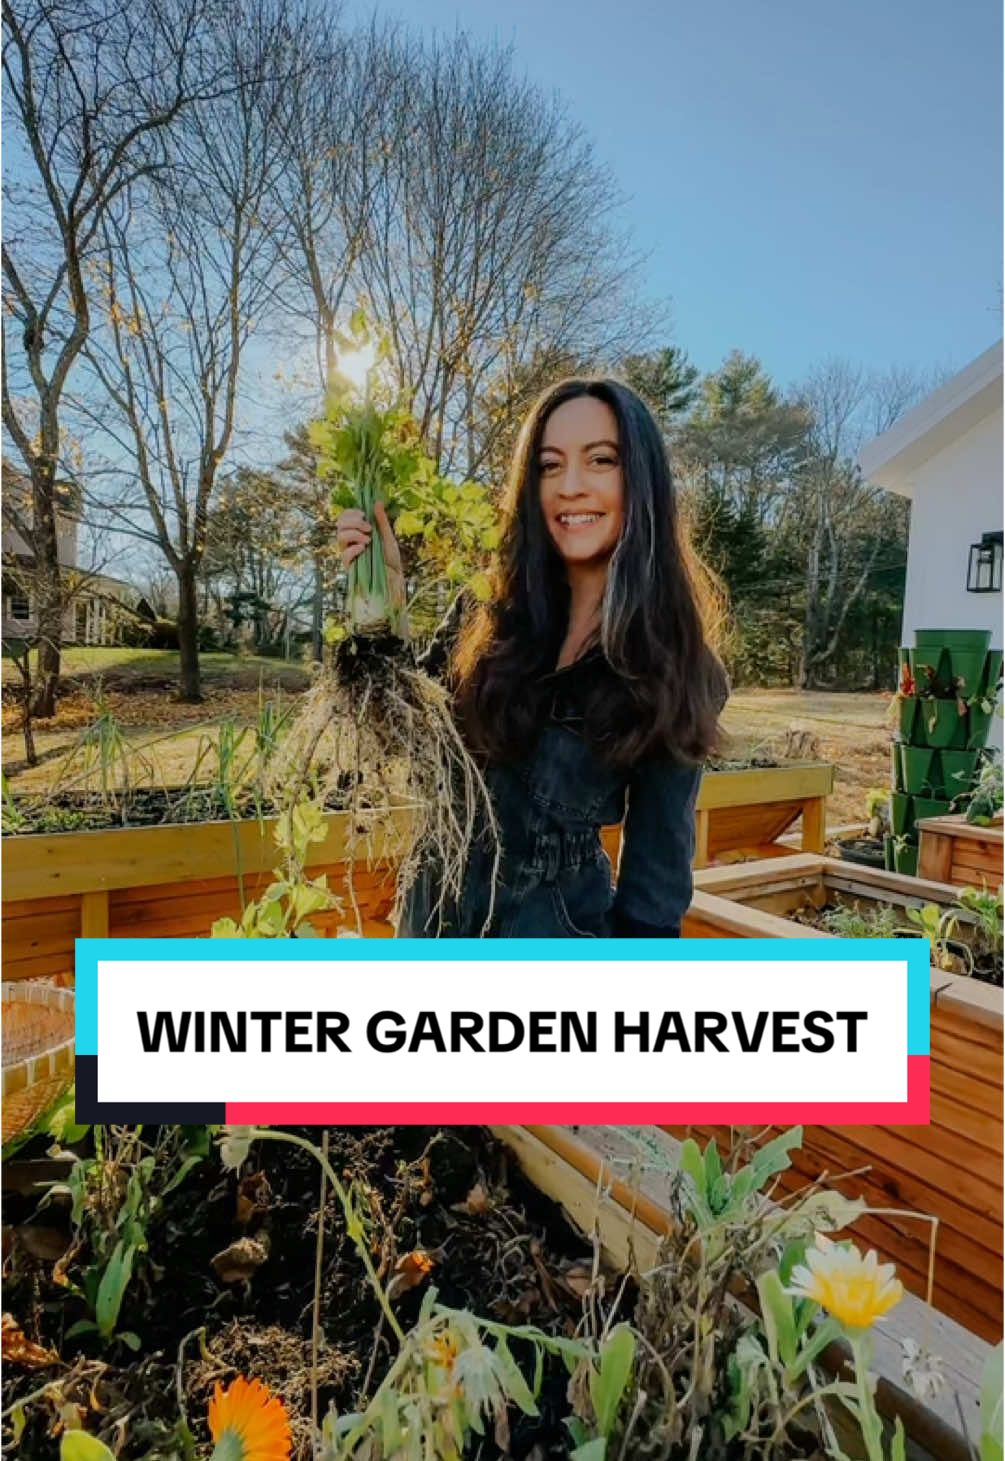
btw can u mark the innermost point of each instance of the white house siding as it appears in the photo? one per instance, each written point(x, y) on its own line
point(956, 497)
point(66, 540)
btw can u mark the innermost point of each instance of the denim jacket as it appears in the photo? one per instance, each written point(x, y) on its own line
point(553, 878)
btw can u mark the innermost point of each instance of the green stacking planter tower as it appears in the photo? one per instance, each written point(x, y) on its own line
point(950, 681)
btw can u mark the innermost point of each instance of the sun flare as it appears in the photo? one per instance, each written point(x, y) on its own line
point(356, 365)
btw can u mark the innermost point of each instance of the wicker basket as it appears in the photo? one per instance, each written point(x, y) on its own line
point(37, 1050)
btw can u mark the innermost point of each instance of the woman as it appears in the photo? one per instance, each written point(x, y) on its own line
point(586, 688)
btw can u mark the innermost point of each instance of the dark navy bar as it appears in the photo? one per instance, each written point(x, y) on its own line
point(93, 1112)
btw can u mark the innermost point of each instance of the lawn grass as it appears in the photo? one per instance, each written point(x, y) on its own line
point(117, 665)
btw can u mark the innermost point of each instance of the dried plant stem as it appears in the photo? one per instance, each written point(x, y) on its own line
point(319, 1252)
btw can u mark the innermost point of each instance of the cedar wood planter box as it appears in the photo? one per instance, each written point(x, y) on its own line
point(173, 881)
point(606, 1187)
point(753, 807)
point(952, 850)
point(951, 1169)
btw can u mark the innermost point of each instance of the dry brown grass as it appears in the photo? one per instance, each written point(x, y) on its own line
point(849, 729)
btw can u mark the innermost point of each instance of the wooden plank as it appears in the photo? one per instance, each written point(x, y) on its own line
point(962, 1022)
point(911, 1189)
point(753, 875)
point(130, 916)
point(935, 1426)
point(701, 831)
point(765, 784)
point(967, 1056)
point(41, 967)
point(975, 875)
point(734, 920)
point(732, 827)
point(621, 1235)
point(815, 825)
point(967, 1122)
point(965, 1090)
point(31, 907)
point(41, 934)
point(935, 857)
point(938, 1141)
point(94, 915)
point(966, 999)
point(957, 825)
point(379, 876)
point(965, 1181)
point(79, 862)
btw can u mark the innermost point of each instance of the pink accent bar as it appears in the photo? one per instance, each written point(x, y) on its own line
point(912, 1112)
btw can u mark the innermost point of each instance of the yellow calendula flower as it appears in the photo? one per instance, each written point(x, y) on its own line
point(248, 1423)
point(856, 1290)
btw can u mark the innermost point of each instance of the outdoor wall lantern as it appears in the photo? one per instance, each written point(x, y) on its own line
point(984, 571)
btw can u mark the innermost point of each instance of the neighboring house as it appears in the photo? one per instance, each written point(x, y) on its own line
point(97, 604)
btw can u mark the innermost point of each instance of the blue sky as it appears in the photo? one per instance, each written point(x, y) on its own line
point(807, 178)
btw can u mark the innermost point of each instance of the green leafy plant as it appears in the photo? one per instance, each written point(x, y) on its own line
point(454, 1374)
point(369, 448)
point(877, 810)
point(116, 1196)
point(374, 729)
point(991, 1406)
point(940, 926)
point(849, 921)
point(285, 908)
point(715, 1195)
point(986, 798)
point(609, 1376)
point(985, 910)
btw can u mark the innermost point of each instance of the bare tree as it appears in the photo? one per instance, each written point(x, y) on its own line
point(488, 244)
point(341, 119)
point(92, 88)
point(846, 525)
point(188, 262)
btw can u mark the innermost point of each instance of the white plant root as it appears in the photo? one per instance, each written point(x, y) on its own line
point(377, 739)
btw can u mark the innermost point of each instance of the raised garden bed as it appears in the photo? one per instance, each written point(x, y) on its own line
point(745, 808)
point(612, 1180)
point(446, 1206)
point(951, 1169)
point(952, 850)
point(173, 881)
point(261, 1286)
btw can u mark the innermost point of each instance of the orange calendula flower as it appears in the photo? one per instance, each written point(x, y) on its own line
point(248, 1423)
point(444, 1349)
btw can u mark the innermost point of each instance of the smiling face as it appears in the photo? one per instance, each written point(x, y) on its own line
point(582, 486)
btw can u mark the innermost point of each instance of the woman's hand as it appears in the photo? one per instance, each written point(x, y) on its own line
point(353, 534)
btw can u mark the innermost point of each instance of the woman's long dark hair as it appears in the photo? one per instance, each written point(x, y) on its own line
point(657, 620)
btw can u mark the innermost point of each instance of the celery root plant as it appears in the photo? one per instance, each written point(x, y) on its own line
point(373, 726)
